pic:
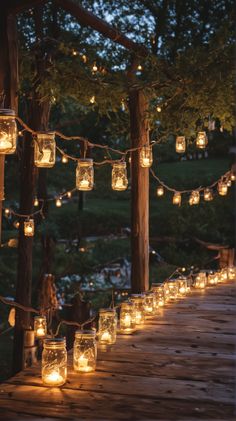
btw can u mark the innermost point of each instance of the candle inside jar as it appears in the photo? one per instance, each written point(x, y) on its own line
point(106, 337)
point(84, 183)
point(119, 182)
point(83, 363)
point(46, 156)
point(127, 320)
point(40, 331)
point(53, 378)
point(29, 230)
point(138, 317)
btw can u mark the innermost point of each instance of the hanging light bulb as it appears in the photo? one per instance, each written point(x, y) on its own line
point(145, 156)
point(201, 141)
point(74, 53)
point(16, 224)
point(8, 131)
point(194, 198)
point(232, 176)
point(222, 188)
point(140, 67)
point(45, 150)
point(7, 212)
point(229, 182)
point(208, 195)
point(84, 58)
point(29, 228)
point(85, 174)
point(64, 159)
point(160, 191)
point(36, 201)
point(69, 194)
point(58, 202)
point(158, 109)
point(119, 180)
point(95, 68)
point(177, 198)
point(180, 144)
point(92, 99)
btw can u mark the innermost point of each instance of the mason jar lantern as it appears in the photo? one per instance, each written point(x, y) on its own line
point(149, 303)
point(107, 326)
point(40, 326)
point(29, 228)
point(45, 150)
point(208, 195)
point(127, 318)
point(177, 198)
point(183, 286)
point(222, 188)
point(180, 144)
point(194, 198)
point(85, 351)
point(200, 280)
point(119, 180)
point(145, 156)
point(8, 131)
point(54, 362)
point(171, 288)
point(85, 174)
point(137, 300)
point(159, 294)
point(160, 191)
point(201, 141)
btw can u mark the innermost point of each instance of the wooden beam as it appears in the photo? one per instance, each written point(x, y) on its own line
point(87, 18)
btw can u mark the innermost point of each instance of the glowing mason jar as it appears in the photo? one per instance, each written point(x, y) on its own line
point(137, 300)
point(85, 351)
point(85, 174)
point(223, 275)
point(180, 144)
point(232, 273)
point(212, 279)
point(208, 195)
point(45, 150)
point(145, 156)
point(149, 303)
point(40, 326)
point(194, 198)
point(222, 188)
point(8, 131)
point(200, 280)
point(177, 199)
point(160, 191)
point(29, 228)
point(127, 318)
point(171, 288)
point(119, 180)
point(201, 141)
point(54, 362)
point(158, 290)
point(107, 326)
point(183, 286)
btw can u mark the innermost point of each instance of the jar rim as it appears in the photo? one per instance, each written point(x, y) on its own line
point(107, 310)
point(7, 112)
point(85, 160)
point(39, 317)
point(119, 164)
point(54, 341)
point(51, 133)
point(88, 333)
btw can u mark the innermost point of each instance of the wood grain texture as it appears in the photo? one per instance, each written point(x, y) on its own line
point(180, 366)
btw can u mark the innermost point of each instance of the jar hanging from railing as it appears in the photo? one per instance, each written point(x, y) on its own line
point(183, 286)
point(137, 300)
point(45, 149)
point(85, 174)
point(145, 156)
point(127, 318)
point(200, 280)
point(8, 131)
point(54, 362)
point(40, 326)
point(85, 351)
point(222, 188)
point(208, 195)
point(119, 180)
point(149, 303)
point(180, 144)
point(212, 279)
point(171, 289)
point(107, 326)
point(29, 228)
point(194, 198)
point(201, 141)
point(177, 198)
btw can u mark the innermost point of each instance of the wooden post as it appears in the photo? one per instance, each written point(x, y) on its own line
point(139, 194)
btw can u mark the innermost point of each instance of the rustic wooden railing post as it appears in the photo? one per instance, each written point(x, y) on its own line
point(139, 194)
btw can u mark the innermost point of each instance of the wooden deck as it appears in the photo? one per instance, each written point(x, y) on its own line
point(180, 366)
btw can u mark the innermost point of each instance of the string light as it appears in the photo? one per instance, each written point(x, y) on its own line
point(232, 176)
point(92, 100)
point(158, 109)
point(58, 202)
point(7, 212)
point(177, 199)
point(84, 58)
point(64, 159)
point(140, 67)
point(69, 194)
point(36, 201)
point(94, 68)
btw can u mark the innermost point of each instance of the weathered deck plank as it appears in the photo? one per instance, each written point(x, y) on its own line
point(180, 366)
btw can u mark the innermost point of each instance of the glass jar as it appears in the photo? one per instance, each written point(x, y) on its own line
point(183, 286)
point(232, 273)
point(208, 195)
point(223, 275)
point(200, 280)
point(201, 141)
point(45, 150)
point(180, 144)
point(149, 303)
point(145, 156)
point(8, 131)
point(194, 198)
point(40, 326)
point(119, 179)
point(171, 289)
point(158, 290)
point(54, 362)
point(85, 174)
point(137, 300)
point(222, 188)
point(127, 318)
point(212, 279)
point(85, 351)
point(107, 326)
point(177, 199)
point(29, 228)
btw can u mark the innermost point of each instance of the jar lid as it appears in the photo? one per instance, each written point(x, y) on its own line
point(87, 333)
point(107, 310)
point(39, 317)
point(7, 112)
point(54, 341)
point(120, 164)
point(85, 161)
